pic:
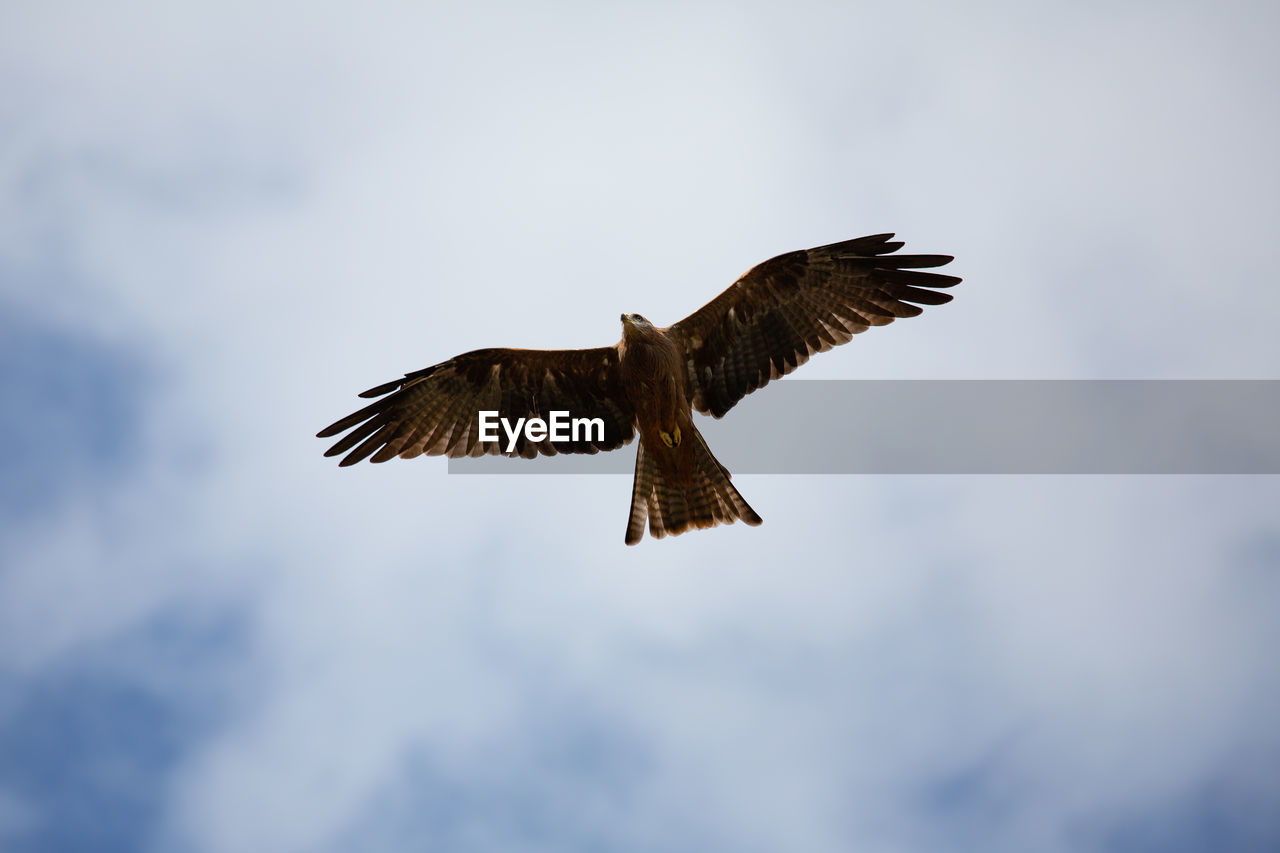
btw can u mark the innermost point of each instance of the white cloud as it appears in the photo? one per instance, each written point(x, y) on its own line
point(284, 207)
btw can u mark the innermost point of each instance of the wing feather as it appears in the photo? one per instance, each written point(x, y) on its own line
point(435, 411)
point(771, 320)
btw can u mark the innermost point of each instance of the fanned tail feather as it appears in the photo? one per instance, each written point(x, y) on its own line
point(670, 509)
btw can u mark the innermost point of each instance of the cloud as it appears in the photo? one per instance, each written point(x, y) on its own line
point(224, 221)
point(73, 411)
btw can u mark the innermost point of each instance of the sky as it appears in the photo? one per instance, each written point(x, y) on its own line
point(220, 221)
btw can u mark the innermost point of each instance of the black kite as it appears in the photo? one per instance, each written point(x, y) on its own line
point(764, 326)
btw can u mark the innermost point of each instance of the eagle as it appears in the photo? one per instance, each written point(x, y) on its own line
point(765, 325)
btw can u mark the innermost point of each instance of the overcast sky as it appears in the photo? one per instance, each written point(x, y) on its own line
point(220, 221)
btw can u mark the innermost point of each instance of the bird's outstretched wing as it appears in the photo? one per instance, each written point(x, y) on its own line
point(786, 309)
point(435, 411)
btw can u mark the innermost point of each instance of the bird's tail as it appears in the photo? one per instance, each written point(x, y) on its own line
point(706, 500)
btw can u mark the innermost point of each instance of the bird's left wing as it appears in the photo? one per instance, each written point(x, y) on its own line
point(436, 410)
point(788, 308)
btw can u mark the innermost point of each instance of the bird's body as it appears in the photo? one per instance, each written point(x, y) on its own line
point(678, 484)
point(765, 325)
point(652, 371)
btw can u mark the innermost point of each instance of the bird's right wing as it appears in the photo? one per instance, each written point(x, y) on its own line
point(436, 410)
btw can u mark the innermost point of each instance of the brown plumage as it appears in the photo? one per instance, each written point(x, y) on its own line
point(766, 324)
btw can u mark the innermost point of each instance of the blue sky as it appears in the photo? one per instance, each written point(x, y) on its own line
point(218, 222)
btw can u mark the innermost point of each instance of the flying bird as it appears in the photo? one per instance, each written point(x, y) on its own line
point(769, 322)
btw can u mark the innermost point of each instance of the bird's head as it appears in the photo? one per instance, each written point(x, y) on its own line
point(634, 324)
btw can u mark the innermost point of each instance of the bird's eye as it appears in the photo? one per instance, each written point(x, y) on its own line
point(641, 319)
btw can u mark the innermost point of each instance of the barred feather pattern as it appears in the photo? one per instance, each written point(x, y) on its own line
point(435, 411)
point(670, 509)
point(788, 308)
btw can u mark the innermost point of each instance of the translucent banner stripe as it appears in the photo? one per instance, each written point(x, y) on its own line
point(975, 427)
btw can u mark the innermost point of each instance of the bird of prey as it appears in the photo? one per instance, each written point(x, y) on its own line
point(770, 321)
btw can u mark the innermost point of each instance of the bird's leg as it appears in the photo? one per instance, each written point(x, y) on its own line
point(671, 439)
